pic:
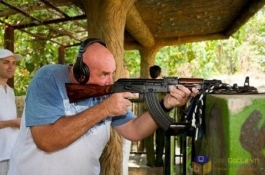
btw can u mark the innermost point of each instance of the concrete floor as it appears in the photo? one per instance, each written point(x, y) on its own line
point(145, 171)
point(137, 166)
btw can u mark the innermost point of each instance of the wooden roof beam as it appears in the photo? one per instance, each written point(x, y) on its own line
point(138, 29)
point(21, 11)
point(190, 39)
point(248, 11)
point(66, 16)
point(50, 5)
point(80, 17)
point(177, 41)
point(37, 21)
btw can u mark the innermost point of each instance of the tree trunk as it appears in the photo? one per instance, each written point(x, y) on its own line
point(147, 59)
point(106, 21)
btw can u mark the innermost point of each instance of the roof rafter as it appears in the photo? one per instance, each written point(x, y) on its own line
point(147, 22)
point(37, 22)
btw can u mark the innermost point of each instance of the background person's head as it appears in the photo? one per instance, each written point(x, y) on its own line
point(8, 64)
point(155, 72)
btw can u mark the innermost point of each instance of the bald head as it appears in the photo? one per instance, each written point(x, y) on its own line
point(101, 64)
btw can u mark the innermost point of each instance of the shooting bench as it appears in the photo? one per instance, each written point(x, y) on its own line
point(231, 139)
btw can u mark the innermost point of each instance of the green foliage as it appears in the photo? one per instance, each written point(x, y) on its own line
point(132, 62)
point(35, 53)
point(244, 51)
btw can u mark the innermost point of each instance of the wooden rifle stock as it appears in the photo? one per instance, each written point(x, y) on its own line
point(78, 92)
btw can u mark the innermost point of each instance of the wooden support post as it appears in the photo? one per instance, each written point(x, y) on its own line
point(61, 55)
point(9, 44)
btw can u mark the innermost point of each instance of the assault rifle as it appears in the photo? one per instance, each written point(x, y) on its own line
point(147, 89)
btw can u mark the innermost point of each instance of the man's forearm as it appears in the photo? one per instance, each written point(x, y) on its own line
point(9, 123)
point(146, 125)
point(66, 130)
point(139, 128)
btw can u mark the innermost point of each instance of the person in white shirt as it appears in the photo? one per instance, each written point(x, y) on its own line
point(9, 122)
point(57, 137)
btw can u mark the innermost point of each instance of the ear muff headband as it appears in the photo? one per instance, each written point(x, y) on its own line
point(80, 69)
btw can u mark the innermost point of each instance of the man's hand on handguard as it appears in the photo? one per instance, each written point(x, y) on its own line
point(179, 96)
point(118, 103)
